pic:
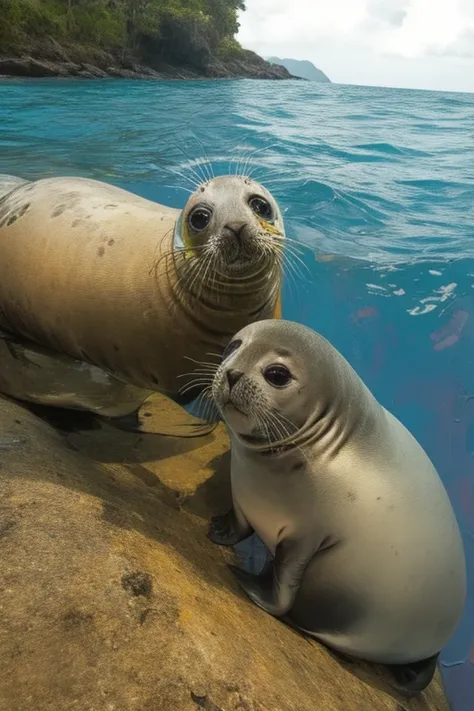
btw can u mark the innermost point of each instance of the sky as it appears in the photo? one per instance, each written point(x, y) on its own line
point(419, 44)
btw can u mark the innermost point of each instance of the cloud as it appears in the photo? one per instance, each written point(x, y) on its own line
point(429, 26)
point(381, 13)
point(400, 28)
point(463, 47)
point(411, 43)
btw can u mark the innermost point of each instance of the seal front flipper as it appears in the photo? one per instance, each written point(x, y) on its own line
point(229, 529)
point(413, 678)
point(274, 590)
point(161, 415)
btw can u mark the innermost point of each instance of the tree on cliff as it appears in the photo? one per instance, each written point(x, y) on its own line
point(175, 31)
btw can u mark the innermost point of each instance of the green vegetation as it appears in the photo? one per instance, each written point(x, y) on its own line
point(182, 32)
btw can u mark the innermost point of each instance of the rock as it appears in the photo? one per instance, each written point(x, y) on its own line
point(95, 71)
point(29, 67)
point(113, 598)
point(192, 62)
point(72, 68)
point(55, 50)
point(145, 71)
point(121, 73)
point(85, 74)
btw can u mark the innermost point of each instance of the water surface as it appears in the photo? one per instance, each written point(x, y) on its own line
point(377, 187)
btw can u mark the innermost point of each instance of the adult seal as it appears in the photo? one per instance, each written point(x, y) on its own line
point(106, 297)
point(367, 554)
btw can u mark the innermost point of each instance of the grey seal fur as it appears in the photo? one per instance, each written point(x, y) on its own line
point(367, 553)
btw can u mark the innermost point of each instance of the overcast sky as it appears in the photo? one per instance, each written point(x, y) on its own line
point(425, 44)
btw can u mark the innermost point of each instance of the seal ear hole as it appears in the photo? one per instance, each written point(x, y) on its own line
point(199, 218)
point(277, 375)
point(231, 347)
point(261, 207)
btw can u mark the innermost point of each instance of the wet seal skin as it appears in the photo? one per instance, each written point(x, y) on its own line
point(114, 304)
point(366, 552)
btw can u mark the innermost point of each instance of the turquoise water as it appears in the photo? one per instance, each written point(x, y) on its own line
point(381, 178)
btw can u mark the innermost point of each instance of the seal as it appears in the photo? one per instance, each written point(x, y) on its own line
point(367, 554)
point(95, 278)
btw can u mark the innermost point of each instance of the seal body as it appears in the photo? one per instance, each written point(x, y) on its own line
point(367, 554)
point(133, 288)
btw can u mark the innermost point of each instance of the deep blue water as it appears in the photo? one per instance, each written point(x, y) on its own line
point(381, 179)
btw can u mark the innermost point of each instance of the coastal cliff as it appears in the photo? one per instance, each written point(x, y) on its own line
point(170, 39)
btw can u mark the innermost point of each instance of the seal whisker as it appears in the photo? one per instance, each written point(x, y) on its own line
point(289, 249)
point(206, 157)
point(179, 187)
point(294, 278)
point(239, 163)
point(216, 355)
point(255, 152)
point(209, 272)
point(279, 429)
point(197, 373)
point(196, 166)
point(193, 166)
point(201, 406)
point(187, 280)
point(202, 362)
point(204, 369)
point(300, 248)
point(267, 426)
point(263, 424)
point(201, 275)
point(289, 263)
point(197, 274)
point(210, 408)
point(193, 383)
point(194, 183)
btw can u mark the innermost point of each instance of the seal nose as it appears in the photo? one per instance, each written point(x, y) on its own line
point(237, 228)
point(233, 376)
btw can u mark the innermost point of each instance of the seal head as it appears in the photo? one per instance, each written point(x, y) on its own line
point(232, 220)
point(273, 392)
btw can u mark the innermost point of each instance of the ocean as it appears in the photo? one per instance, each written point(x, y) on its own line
point(377, 187)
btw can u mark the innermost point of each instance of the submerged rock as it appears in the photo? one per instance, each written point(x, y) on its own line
point(113, 599)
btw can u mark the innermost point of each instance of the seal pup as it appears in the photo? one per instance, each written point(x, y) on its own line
point(93, 275)
point(367, 554)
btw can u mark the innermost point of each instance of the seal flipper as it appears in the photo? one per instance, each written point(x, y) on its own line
point(162, 416)
point(41, 376)
point(413, 678)
point(275, 588)
point(229, 529)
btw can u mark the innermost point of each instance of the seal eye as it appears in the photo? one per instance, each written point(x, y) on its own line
point(277, 375)
point(261, 208)
point(231, 347)
point(199, 218)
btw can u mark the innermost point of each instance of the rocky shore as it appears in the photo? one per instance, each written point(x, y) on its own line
point(65, 64)
point(114, 599)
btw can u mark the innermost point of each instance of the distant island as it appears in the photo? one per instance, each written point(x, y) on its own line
point(169, 39)
point(300, 68)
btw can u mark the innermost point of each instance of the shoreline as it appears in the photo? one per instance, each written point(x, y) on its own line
point(29, 67)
